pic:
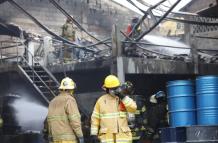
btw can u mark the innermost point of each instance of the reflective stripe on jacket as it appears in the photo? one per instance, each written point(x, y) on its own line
point(108, 117)
point(64, 118)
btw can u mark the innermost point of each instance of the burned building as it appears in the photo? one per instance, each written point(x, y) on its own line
point(32, 65)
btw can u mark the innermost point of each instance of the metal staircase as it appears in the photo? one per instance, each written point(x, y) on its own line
point(30, 68)
point(42, 80)
point(40, 77)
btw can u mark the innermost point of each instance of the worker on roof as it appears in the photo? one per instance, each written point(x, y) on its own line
point(132, 33)
point(109, 122)
point(130, 27)
point(63, 120)
point(69, 33)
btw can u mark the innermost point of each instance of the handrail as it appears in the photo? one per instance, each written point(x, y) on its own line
point(151, 51)
point(151, 44)
point(34, 73)
point(85, 47)
point(9, 55)
point(26, 75)
point(49, 73)
point(11, 46)
point(39, 77)
point(55, 80)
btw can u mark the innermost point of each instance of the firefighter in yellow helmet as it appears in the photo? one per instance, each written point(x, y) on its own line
point(109, 122)
point(63, 120)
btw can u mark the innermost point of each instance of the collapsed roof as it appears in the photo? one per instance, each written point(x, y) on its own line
point(9, 29)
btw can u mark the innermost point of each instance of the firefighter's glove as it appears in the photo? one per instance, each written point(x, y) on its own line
point(158, 97)
point(121, 96)
point(119, 92)
point(153, 99)
point(95, 139)
point(81, 140)
point(116, 92)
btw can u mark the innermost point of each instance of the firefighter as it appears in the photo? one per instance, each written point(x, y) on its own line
point(158, 112)
point(63, 120)
point(69, 32)
point(130, 49)
point(130, 27)
point(158, 97)
point(109, 122)
point(141, 131)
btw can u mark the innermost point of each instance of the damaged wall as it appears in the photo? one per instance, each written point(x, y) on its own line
point(97, 16)
point(197, 5)
point(207, 31)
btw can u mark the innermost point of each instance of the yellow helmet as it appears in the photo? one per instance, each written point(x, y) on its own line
point(67, 83)
point(111, 81)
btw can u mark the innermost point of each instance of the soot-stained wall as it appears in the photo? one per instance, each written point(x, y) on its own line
point(97, 16)
point(13, 83)
point(86, 80)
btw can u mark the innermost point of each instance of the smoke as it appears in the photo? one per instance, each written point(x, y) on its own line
point(29, 115)
point(168, 42)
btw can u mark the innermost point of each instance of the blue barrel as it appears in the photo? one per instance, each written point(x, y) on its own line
point(181, 102)
point(207, 100)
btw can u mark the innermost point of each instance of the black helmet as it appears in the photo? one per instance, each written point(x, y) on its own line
point(127, 88)
point(135, 20)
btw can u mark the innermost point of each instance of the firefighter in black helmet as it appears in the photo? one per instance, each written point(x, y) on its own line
point(141, 131)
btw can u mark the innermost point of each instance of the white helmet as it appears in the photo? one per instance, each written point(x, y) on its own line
point(67, 83)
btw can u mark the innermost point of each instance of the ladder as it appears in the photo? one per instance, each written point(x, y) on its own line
point(40, 77)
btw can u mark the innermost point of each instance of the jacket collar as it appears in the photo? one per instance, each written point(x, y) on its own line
point(63, 93)
point(113, 96)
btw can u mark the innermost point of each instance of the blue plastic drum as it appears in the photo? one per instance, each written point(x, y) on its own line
point(181, 102)
point(207, 100)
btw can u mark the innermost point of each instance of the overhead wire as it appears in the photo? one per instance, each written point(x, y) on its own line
point(149, 50)
point(95, 44)
point(180, 20)
point(9, 29)
point(13, 3)
point(144, 16)
point(151, 44)
point(158, 22)
point(74, 20)
point(172, 12)
point(174, 19)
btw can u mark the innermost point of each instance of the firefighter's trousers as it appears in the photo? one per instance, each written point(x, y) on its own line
point(116, 138)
